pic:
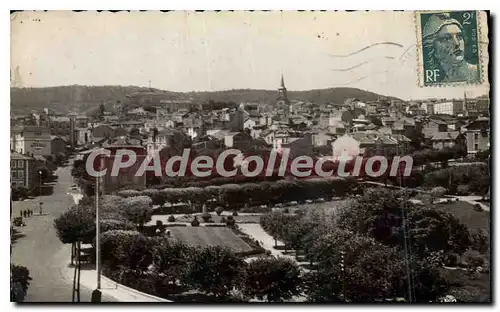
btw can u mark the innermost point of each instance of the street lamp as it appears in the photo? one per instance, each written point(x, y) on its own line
point(40, 190)
point(96, 294)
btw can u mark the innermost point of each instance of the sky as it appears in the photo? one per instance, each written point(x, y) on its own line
point(209, 51)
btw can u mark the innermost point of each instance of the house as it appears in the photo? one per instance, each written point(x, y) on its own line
point(103, 131)
point(23, 171)
point(31, 140)
point(434, 126)
point(483, 105)
point(126, 177)
point(58, 145)
point(238, 140)
point(249, 123)
point(375, 143)
point(478, 135)
point(415, 110)
point(167, 138)
point(452, 108)
point(321, 138)
point(447, 139)
point(268, 136)
point(299, 146)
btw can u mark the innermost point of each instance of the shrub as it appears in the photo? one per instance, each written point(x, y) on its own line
point(438, 192)
point(129, 249)
point(129, 193)
point(286, 210)
point(215, 225)
point(219, 210)
point(171, 218)
point(206, 217)
point(463, 190)
point(255, 209)
point(195, 222)
point(230, 222)
point(235, 213)
point(451, 259)
point(230, 218)
point(223, 220)
point(214, 270)
point(138, 209)
point(473, 259)
point(275, 279)
point(18, 221)
point(478, 207)
point(23, 192)
point(19, 282)
point(479, 241)
point(175, 224)
point(110, 225)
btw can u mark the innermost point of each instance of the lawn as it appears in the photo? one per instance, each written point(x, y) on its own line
point(210, 236)
point(466, 214)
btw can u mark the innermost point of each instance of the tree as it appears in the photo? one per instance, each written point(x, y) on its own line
point(432, 229)
point(170, 259)
point(214, 270)
point(76, 224)
point(138, 210)
point(127, 249)
point(19, 282)
point(134, 132)
point(219, 210)
point(437, 193)
point(378, 214)
point(353, 268)
point(276, 279)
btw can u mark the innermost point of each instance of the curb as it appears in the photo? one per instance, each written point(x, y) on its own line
point(133, 291)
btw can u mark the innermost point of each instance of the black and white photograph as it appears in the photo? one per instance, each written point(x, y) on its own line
point(338, 157)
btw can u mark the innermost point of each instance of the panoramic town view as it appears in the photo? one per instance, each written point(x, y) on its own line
point(298, 157)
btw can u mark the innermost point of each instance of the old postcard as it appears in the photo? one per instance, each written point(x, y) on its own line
point(278, 156)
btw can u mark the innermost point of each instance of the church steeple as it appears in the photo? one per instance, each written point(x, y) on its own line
point(282, 91)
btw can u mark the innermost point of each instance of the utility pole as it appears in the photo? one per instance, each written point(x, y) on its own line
point(96, 294)
point(405, 235)
point(40, 191)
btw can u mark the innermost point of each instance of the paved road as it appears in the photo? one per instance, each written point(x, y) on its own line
point(39, 250)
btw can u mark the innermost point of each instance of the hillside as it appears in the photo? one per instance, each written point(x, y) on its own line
point(82, 99)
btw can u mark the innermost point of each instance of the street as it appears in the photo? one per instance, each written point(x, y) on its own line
point(40, 250)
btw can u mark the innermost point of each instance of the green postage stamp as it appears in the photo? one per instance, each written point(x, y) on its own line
point(448, 48)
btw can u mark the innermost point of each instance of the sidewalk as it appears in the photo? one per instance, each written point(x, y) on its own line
point(256, 232)
point(109, 288)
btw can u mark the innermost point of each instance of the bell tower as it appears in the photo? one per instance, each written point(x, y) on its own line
point(282, 102)
point(282, 94)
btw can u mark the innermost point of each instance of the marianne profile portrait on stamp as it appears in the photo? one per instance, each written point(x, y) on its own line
point(444, 45)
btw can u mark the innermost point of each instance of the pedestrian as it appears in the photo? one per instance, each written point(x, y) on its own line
point(30, 212)
point(21, 213)
point(25, 213)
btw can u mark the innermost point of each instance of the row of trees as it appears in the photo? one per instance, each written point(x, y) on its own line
point(77, 224)
point(234, 196)
point(461, 180)
point(163, 266)
point(358, 251)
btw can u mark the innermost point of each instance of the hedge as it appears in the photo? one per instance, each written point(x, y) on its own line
point(235, 196)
